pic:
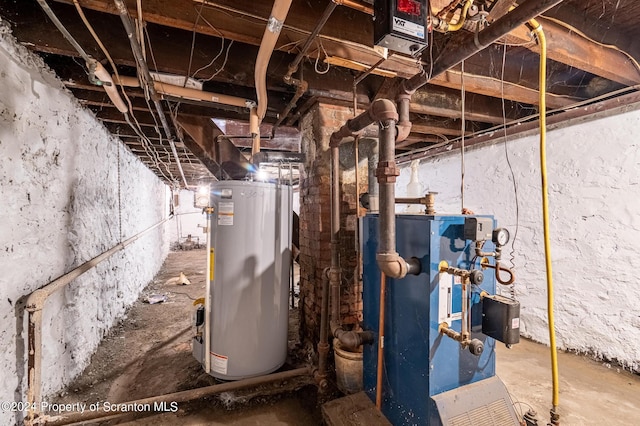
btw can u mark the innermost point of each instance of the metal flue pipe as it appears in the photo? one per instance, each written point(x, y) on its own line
point(142, 64)
point(465, 45)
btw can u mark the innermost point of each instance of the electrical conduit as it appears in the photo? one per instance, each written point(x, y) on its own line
point(542, 41)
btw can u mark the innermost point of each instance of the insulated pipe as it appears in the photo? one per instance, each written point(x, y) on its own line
point(110, 87)
point(254, 129)
point(142, 64)
point(184, 396)
point(188, 93)
point(92, 64)
point(269, 39)
point(468, 44)
point(34, 305)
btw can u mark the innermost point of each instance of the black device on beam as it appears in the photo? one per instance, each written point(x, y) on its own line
point(401, 25)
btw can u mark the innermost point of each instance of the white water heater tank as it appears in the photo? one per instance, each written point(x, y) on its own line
point(249, 282)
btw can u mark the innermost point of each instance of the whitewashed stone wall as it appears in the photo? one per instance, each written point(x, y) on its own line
point(594, 197)
point(59, 196)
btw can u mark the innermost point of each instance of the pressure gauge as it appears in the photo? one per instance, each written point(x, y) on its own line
point(500, 236)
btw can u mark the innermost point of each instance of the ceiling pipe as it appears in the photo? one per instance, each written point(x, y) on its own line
point(271, 32)
point(95, 68)
point(465, 45)
point(355, 5)
point(293, 66)
point(142, 64)
point(269, 39)
point(188, 93)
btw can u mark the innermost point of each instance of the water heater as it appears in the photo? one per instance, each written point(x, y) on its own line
point(401, 25)
point(246, 312)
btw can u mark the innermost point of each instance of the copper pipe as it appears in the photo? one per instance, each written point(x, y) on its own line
point(383, 291)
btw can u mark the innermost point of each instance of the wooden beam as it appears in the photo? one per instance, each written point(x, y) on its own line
point(569, 48)
point(438, 101)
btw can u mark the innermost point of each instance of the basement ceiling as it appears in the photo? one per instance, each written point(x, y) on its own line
point(591, 49)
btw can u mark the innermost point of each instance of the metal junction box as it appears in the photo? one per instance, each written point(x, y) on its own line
point(401, 25)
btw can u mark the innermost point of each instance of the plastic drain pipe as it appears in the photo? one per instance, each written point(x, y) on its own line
point(34, 306)
point(542, 41)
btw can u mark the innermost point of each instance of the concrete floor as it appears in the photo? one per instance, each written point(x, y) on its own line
point(591, 393)
point(148, 354)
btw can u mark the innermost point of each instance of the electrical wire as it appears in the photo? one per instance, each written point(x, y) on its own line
point(224, 63)
point(137, 128)
point(513, 176)
point(618, 92)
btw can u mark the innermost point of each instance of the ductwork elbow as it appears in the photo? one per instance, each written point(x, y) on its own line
point(392, 264)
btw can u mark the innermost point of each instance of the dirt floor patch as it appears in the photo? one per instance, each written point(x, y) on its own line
point(149, 354)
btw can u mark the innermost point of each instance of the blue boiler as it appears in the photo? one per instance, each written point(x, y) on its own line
point(420, 364)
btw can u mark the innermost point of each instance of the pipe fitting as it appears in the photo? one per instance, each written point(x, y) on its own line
point(383, 109)
point(351, 340)
point(387, 171)
point(403, 130)
point(392, 265)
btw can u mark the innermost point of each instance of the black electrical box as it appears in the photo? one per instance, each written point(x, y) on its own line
point(501, 319)
point(401, 25)
point(478, 228)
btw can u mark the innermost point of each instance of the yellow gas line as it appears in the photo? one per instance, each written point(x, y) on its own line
point(537, 29)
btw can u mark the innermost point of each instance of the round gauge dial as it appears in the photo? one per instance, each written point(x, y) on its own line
point(500, 236)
